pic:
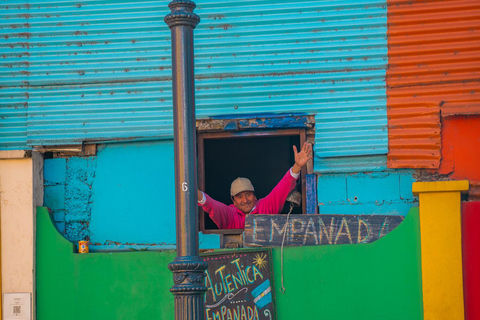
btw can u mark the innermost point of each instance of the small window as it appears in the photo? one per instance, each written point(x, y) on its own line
point(262, 156)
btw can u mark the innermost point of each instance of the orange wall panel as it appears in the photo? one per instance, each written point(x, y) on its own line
point(433, 62)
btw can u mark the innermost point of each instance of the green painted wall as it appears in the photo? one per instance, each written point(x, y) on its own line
point(380, 280)
point(107, 286)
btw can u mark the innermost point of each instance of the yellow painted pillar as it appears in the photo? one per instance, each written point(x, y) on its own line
point(441, 245)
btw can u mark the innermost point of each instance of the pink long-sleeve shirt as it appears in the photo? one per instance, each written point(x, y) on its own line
point(229, 217)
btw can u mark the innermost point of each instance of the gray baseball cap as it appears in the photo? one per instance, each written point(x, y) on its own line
point(240, 185)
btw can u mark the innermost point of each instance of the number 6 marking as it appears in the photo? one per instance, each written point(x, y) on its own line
point(184, 187)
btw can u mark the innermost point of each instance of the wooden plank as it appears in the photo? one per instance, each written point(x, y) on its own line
point(316, 229)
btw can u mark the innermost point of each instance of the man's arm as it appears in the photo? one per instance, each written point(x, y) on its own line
point(273, 203)
point(225, 217)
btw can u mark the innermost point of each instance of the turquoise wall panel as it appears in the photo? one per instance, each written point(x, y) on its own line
point(122, 198)
point(387, 192)
point(134, 196)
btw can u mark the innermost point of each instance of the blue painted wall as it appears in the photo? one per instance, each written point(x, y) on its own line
point(373, 192)
point(121, 198)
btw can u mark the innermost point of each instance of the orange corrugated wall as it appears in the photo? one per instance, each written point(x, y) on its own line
point(433, 67)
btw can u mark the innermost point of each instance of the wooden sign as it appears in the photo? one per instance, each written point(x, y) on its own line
point(239, 286)
point(316, 229)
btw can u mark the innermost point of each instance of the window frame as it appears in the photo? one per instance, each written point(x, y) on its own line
point(202, 136)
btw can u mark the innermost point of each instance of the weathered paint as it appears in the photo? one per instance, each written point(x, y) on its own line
point(434, 60)
point(92, 78)
point(121, 198)
point(68, 192)
point(256, 121)
point(311, 189)
point(461, 150)
point(79, 176)
point(366, 193)
point(471, 258)
point(326, 280)
point(16, 208)
point(441, 242)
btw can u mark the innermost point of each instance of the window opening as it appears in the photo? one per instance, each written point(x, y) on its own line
point(262, 156)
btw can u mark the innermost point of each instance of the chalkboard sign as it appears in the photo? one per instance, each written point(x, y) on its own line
point(316, 229)
point(239, 286)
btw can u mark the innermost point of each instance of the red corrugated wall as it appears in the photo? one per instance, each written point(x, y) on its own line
point(434, 67)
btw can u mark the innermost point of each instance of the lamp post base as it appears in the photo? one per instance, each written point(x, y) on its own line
point(189, 287)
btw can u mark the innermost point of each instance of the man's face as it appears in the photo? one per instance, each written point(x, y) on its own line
point(245, 201)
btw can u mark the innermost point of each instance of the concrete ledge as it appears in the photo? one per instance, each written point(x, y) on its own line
point(14, 154)
point(440, 186)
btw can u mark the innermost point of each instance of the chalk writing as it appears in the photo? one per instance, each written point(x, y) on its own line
point(238, 286)
point(316, 229)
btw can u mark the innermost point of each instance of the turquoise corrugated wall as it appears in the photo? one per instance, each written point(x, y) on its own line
point(100, 70)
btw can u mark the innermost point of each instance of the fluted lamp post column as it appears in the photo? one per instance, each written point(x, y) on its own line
point(188, 269)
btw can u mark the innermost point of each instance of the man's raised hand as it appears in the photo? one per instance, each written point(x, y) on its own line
point(302, 157)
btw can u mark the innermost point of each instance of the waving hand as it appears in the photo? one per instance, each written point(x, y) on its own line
point(302, 157)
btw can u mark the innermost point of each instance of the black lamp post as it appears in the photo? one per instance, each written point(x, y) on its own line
point(188, 268)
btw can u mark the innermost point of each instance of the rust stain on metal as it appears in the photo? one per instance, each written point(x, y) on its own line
point(80, 43)
point(216, 16)
point(21, 35)
point(225, 26)
point(19, 25)
point(434, 62)
point(281, 74)
point(153, 79)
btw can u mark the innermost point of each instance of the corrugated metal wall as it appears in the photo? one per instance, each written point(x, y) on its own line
point(99, 70)
point(319, 57)
point(434, 62)
point(13, 75)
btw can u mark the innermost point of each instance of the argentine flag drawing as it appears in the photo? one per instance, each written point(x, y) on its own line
point(262, 295)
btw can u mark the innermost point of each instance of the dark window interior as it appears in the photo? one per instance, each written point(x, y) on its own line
point(262, 159)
